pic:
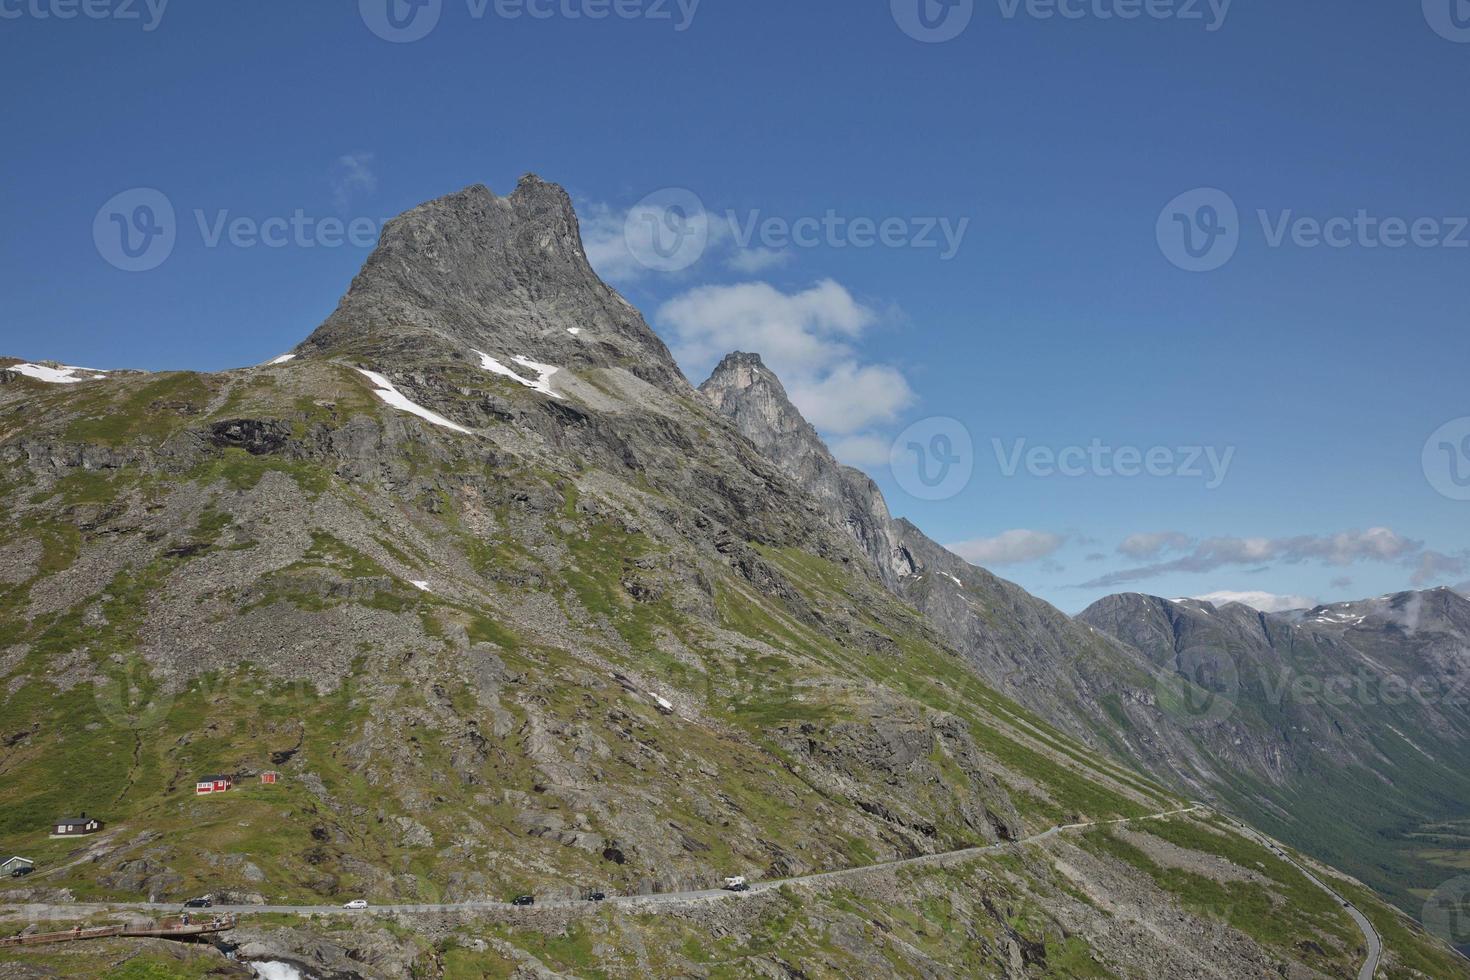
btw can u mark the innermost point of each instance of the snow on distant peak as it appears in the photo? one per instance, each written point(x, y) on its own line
point(421, 586)
point(282, 359)
point(575, 331)
point(394, 397)
point(543, 372)
point(59, 375)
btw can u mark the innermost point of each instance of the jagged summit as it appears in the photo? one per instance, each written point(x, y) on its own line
point(750, 394)
point(504, 275)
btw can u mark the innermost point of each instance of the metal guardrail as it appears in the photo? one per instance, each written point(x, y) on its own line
point(176, 931)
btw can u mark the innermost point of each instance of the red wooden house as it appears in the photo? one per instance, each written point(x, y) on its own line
point(270, 778)
point(205, 785)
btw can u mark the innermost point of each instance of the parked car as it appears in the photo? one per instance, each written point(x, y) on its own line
point(596, 897)
point(523, 900)
point(356, 903)
point(198, 903)
point(21, 872)
point(736, 885)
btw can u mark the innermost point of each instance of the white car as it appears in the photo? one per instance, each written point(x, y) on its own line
point(356, 903)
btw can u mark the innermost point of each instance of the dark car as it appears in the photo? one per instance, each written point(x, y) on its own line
point(21, 872)
point(523, 900)
point(198, 903)
point(596, 897)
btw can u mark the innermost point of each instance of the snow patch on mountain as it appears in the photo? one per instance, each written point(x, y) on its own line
point(59, 374)
point(398, 400)
point(543, 372)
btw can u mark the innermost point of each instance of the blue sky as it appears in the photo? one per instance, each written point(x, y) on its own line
point(1055, 144)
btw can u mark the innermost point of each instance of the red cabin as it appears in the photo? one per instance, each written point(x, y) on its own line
point(205, 785)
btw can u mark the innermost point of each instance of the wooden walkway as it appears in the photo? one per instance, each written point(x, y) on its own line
point(162, 930)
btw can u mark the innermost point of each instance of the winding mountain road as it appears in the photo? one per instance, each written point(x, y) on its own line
point(1375, 944)
point(667, 899)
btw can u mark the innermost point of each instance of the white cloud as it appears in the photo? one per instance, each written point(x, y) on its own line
point(1009, 548)
point(795, 333)
point(807, 338)
point(850, 397)
point(1378, 544)
point(1264, 601)
point(353, 174)
point(861, 450)
point(755, 260)
point(1434, 567)
point(624, 245)
point(1142, 547)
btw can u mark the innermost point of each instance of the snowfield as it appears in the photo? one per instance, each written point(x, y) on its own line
point(58, 375)
point(543, 372)
point(398, 400)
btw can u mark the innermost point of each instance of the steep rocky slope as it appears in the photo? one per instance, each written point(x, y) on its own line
point(511, 607)
point(1286, 719)
point(1099, 690)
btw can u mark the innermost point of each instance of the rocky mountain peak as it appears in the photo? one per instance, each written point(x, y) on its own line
point(743, 389)
point(750, 394)
point(504, 275)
